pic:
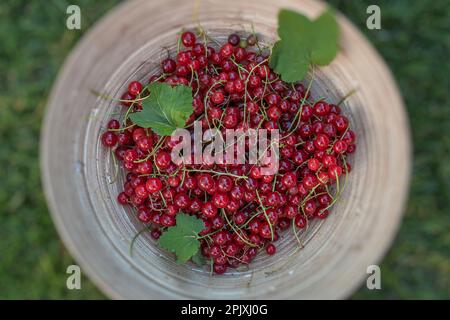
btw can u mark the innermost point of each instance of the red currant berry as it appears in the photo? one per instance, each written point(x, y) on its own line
point(109, 139)
point(135, 88)
point(271, 249)
point(153, 185)
point(234, 39)
point(313, 164)
point(300, 221)
point(188, 39)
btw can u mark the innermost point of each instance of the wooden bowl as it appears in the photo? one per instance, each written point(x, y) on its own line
point(127, 44)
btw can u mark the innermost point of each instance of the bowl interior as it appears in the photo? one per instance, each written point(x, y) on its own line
point(105, 181)
point(129, 45)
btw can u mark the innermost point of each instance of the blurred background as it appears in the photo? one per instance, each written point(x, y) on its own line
point(414, 41)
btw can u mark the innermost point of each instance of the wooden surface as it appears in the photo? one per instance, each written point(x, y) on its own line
point(127, 44)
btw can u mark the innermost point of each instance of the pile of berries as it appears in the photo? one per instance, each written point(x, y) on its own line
point(243, 211)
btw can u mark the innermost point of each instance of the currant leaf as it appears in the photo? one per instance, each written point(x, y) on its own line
point(303, 42)
point(181, 239)
point(166, 109)
point(325, 42)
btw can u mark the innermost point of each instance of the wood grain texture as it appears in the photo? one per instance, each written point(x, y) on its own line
point(128, 44)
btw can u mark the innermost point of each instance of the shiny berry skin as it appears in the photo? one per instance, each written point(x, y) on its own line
point(145, 167)
point(224, 184)
point(240, 218)
point(234, 39)
point(155, 234)
point(300, 156)
point(300, 221)
point(144, 215)
point(322, 214)
point(274, 113)
point(232, 206)
point(271, 249)
point(264, 230)
point(183, 58)
point(136, 180)
point(198, 50)
point(205, 182)
point(209, 210)
point(217, 97)
point(153, 185)
point(254, 226)
point(321, 108)
point(351, 148)
point(240, 54)
point(321, 142)
point(290, 211)
point(341, 123)
point(255, 172)
point(273, 99)
point(324, 200)
point(272, 215)
point(113, 124)
point(334, 171)
point(254, 239)
point(310, 207)
point(215, 251)
point(349, 137)
point(273, 199)
point(173, 181)
point(220, 238)
point(217, 222)
point(123, 139)
point(122, 198)
point(329, 160)
point(141, 191)
point(329, 130)
point(220, 200)
point(171, 209)
point(190, 182)
point(188, 39)
point(310, 181)
point(163, 160)
point(289, 179)
point(167, 220)
point(340, 147)
point(145, 143)
point(323, 177)
point(227, 50)
point(230, 121)
point(138, 134)
point(219, 269)
point(109, 139)
point(169, 65)
point(156, 218)
point(182, 200)
point(135, 88)
point(313, 164)
point(231, 249)
point(136, 200)
point(127, 97)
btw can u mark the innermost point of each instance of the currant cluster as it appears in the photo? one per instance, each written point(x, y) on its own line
point(243, 211)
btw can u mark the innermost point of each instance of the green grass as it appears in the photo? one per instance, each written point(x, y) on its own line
point(414, 40)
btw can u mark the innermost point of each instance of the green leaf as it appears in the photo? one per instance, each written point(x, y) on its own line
point(303, 42)
point(198, 259)
point(291, 24)
point(182, 238)
point(325, 42)
point(166, 109)
point(290, 61)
